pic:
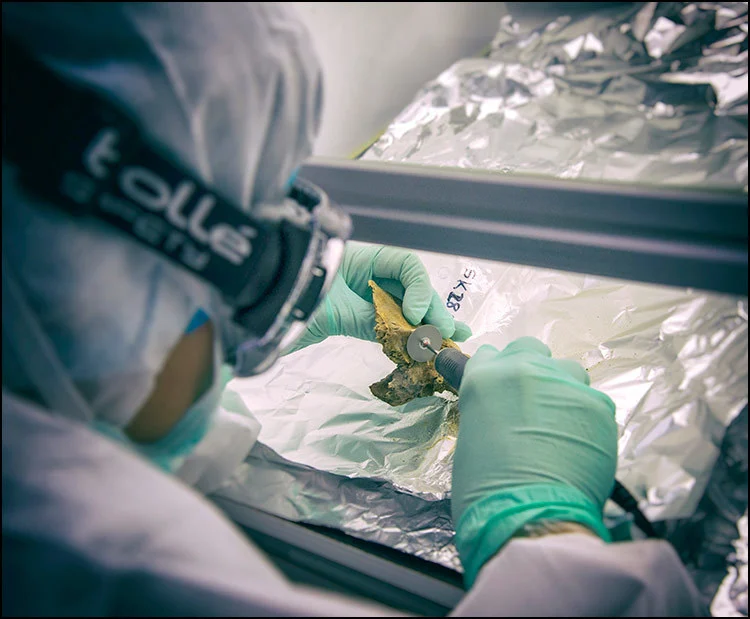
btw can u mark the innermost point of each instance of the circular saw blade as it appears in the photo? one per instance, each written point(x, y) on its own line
point(417, 350)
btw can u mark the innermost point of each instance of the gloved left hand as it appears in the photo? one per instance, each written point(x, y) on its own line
point(348, 308)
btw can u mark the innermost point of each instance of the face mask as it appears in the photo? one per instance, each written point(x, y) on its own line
point(171, 451)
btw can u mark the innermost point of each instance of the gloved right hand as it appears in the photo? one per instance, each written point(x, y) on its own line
point(535, 443)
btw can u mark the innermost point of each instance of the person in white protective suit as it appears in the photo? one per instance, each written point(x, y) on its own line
point(152, 231)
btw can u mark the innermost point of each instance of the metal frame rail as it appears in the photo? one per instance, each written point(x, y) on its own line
point(687, 237)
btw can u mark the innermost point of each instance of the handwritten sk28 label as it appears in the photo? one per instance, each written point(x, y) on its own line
point(460, 290)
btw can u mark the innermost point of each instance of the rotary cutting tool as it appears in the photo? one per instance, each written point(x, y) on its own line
point(425, 344)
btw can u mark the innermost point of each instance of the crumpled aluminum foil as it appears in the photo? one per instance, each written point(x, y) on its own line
point(731, 598)
point(674, 362)
point(655, 93)
point(652, 93)
point(712, 542)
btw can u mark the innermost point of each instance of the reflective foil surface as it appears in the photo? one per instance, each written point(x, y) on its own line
point(654, 93)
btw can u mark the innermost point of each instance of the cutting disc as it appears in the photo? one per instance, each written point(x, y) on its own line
point(417, 350)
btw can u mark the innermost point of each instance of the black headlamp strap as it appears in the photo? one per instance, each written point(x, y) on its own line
point(84, 154)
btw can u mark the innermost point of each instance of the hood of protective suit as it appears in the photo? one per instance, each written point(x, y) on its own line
point(233, 92)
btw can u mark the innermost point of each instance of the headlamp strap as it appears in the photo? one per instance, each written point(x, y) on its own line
point(84, 154)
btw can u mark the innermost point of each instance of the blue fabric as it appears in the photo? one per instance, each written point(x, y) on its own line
point(199, 319)
point(292, 178)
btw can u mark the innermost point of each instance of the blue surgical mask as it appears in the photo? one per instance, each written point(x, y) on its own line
point(171, 451)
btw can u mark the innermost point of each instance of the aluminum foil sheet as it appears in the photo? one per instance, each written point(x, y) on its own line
point(674, 362)
point(731, 599)
point(655, 93)
point(712, 542)
point(652, 93)
point(369, 509)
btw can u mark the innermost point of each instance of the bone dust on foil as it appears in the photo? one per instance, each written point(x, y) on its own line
point(655, 93)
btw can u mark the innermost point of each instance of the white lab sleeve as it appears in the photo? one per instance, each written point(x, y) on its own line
point(89, 528)
point(578, 575)
point(222, 450)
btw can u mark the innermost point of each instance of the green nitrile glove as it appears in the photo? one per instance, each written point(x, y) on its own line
point(535, 443)
point(348, 308)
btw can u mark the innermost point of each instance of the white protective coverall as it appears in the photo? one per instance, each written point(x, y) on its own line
point(91, 528)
